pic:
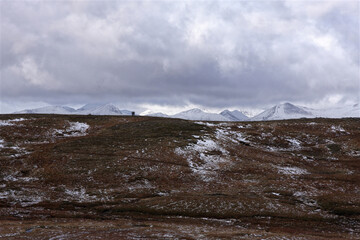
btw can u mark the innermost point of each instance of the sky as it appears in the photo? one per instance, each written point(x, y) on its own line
point(173, 55)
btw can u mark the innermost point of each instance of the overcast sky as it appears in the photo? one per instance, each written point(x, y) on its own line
point(175, 54)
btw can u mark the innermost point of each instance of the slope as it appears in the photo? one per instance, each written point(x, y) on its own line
point(283, 111)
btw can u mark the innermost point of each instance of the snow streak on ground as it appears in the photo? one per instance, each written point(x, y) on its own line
point(337, 129)
point(79, 195)
point(291, 170)
point(19, 150)
point(22, 196)
point(296, 143)
point(204, 156)
point(208, 154)
point(76, 129)
point(11, 122)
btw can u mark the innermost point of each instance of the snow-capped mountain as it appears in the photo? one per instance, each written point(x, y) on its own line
point(283, 111)
point(157, 114)
point(90, 106)
point(93, 109)
point(347, 111)
point(278, 112)
point(234, 115)
point(291, 111)
point(151, 113)
point(198, 114)
point(107, 109)
point(50, 110)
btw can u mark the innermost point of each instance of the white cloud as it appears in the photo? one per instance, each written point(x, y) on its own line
point(32, 72)
point(211, 53)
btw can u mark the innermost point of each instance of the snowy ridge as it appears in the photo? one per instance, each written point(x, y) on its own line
point(93, 109)
point(277, 112)
point(234, 115)
point(348, 111)
point(107, 109)
point(198, 114)
point(291, 111)
point(283, 111)
point(158, 114)
point(50, 109)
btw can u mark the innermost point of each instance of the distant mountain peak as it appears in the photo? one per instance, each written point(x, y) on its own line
point(105, 109)
point(50, 110)
point(194, 110)
point(93, 109)
point(280, 111)
point(234, 115)
point(89, 106)
point(283, 111)
point(198, 114)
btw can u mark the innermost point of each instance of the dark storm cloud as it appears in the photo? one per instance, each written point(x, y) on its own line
point(211, 53)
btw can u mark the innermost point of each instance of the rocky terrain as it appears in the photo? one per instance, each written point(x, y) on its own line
point(123, 177)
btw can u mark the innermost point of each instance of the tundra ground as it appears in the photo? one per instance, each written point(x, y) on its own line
point(116, 177)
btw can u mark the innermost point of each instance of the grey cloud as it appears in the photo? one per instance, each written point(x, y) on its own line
point(211, 53)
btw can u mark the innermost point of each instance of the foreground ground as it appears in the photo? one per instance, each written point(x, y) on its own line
point(91, 177)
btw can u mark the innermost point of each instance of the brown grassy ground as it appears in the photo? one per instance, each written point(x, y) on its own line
point(144, 177)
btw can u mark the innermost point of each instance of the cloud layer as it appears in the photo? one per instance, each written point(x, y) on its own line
point(209, 53)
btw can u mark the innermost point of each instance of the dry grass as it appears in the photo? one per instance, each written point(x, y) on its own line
point(295, 178)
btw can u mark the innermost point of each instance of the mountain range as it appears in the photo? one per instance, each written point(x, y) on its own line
point(92, 109)
point(277, 112)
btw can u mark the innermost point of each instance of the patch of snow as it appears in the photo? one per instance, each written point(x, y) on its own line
point(142, 184)
point(202, 157)
point(24, 198)
point(27, 179)
point(31, 200)
point(76, 129)
point(10, 178)
point(5, 194)
point(329, 141)
point(206, 124)
point(354, 153)
point(337, 129)
point(18, 119)
point(222, 134)
point(20, 151)
point(304, 198)
point(240, 137)
point(79, 195)
point(296, 143)
point(232, 136)
point(9, 235)
point(11, 122)
point(291, 170)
